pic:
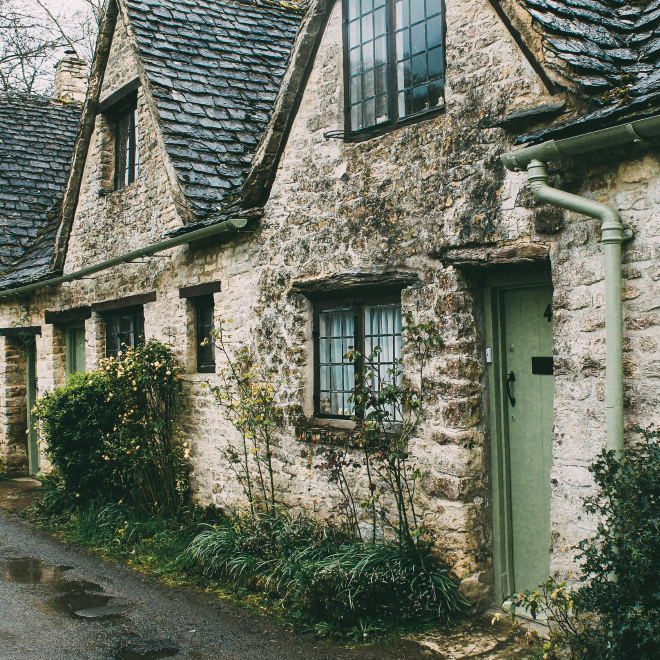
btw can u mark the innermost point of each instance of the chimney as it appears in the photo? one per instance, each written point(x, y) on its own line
point(71, 78)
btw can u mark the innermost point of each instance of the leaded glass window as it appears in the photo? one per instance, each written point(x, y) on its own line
point(394, 60)
point(124, 328)
point(126, 147)
point(204, 313)
point(360, 326)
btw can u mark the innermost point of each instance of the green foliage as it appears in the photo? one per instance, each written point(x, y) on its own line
point(325, 578)
point(621, 563)
point(74, 422)
point(247, 395)
point(572, 632)
point(615, 613)
point(387, 416)
point(111, 434)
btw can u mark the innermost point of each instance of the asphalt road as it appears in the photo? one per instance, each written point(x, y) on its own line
point(58, 602)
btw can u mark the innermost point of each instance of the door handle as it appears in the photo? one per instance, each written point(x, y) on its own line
point(511, 378)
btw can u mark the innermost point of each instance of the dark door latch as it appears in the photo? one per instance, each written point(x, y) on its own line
point(511, 378)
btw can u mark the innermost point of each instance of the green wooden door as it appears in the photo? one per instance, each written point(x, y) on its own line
point(75, 350)
point(527, 371)
point(33, 446)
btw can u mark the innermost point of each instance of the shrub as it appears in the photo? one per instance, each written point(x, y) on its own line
point(622, 562)
point(111, 434)
point(325, 577)
point(75, 421)
point(615, 612)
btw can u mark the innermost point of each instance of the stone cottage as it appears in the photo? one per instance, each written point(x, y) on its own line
point(314, 172)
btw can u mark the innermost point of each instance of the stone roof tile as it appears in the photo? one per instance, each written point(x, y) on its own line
point(205, 55)
point(37, 136)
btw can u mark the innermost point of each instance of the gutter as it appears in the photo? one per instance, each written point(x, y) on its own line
point(205, 232)
point(534, 159)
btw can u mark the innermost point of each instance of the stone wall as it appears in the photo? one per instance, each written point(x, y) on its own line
point(71, 79)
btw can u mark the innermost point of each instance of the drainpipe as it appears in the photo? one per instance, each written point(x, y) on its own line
point(198, 234)
point(613, 234)
point(534, 160)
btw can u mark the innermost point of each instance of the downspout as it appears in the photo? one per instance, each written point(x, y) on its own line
point(198, 234)
point(534, 160)
point(613, 234)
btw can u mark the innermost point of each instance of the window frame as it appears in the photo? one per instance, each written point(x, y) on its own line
point(126, 107)
point(358, 302)
point(199, 302)
point(137, 312)
point(70, 348)
point(393, 122)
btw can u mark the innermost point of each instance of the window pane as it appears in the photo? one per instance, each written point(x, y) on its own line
point(368, 55)
point(380, 22)
point(336, 375)
point(353, 9)
point(355, 62)
point(381, 80)
point(420, 55)
point(420, 99)
point(419, 69)
point(416, 11)
point(204, 313)
point(380, 51)
point(368, 84)
point(382, 113)
point(369, 109)
point(436, 64)
point(382, 327)
point(367, 27)
point(434, 31)
point(353, 34)
point(418, 38)
point(433, 7)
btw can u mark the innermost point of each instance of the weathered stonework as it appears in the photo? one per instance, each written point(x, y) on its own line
point(430, 204)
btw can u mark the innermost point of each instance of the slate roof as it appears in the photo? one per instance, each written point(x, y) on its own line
point(37, 136)
point(610, 49)
point(215, 67)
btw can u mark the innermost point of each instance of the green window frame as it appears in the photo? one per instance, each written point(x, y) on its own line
point(75, 349)
point(394, 63)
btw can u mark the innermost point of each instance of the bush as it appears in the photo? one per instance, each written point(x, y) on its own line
point(75, 422)
point(627, 546)
point(111, 434)
point(614, 614)
point(325, 577)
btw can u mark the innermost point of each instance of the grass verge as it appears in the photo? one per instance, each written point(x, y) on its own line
point(301, 573)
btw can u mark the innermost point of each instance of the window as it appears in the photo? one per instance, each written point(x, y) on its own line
point(126, 143)
point(75, 349)
point(204, 311)
point(394, 61)
point(362, 325)
point(123, 327)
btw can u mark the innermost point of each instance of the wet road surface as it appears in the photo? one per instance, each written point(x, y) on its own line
point(58, 602)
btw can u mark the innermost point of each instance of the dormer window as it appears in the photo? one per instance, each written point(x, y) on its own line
point(394, 60)
point(126, 144)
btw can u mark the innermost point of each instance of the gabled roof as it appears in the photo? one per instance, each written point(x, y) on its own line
point(605, 52)
point(215, 68)
point(37, 136)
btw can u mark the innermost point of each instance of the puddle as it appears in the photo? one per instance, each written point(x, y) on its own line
point(31, 571)
point(146, 650)
point(79, 599)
